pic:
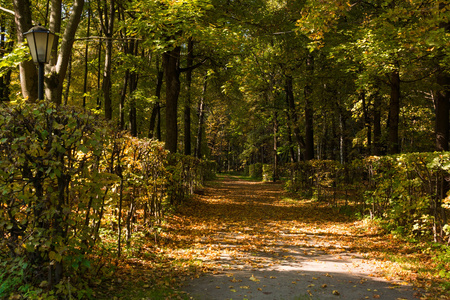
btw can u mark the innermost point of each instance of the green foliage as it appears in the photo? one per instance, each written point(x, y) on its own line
point(255, 170)
point(12, 60)
point(408, 192)
point(49, 182)
point(64, 176)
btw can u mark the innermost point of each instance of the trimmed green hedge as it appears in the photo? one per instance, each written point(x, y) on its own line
point(65, 177)
point(408, 191)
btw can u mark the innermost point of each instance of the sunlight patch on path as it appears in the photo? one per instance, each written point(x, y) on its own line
point(258, 246)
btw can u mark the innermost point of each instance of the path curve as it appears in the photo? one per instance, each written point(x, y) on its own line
point(266, 246)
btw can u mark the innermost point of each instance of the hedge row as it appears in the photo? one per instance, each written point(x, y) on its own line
point(64, 178)
point(409, 191)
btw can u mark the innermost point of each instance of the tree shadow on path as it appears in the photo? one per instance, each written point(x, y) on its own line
point(259, 244)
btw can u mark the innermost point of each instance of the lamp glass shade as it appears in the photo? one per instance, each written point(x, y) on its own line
point(40, 41)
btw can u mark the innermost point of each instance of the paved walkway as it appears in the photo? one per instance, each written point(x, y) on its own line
point(267, 246)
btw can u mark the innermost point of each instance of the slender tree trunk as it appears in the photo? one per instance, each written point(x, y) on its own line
point(341, 137)
point(376, 146)
point(108, 28)
point(172, 74)
point(157, 106)
point(201, 104)
point(123, 96)
point(86, 55)
point(275, 147)
point(187, 104)
point(99, 70)
point(442, 103)
point(367, 123)
point(292, 113)
point(133, 86)
point(290, 141)
point(442, 106)
point(69, 81)
point(309, 113)
point(394, 113)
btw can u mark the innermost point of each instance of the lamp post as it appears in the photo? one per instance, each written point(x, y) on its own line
point(40, 41)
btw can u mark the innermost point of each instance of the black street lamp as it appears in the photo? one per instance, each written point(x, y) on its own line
point(40, 41)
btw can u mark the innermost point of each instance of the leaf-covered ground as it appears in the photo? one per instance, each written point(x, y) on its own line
point(249, 240)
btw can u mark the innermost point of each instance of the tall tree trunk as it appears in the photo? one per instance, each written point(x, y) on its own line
point(342, 134)
point(86, 55)
point(292, 113)
point(394, 113)
point(367, 123)
point(442, 103)
point(57, 68)
point(99, 70)
point(69, 81)
point(201, 113)
point(442, 106)
point(187, 104)
point(55, 27)
point(289, 137)
point(309, 112)
point(275, 147)
point(108, 27)
point(123, 96)
point(157, 106)
point(134, 77)
point(376, 146)
point(27, 69)
point(172, 74)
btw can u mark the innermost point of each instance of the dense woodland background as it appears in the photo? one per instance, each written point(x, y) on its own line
point(145, 99)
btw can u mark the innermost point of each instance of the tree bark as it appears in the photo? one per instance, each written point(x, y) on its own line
point(27, 69)
point(157, 106)
point(108, 27)
point(172, 74)
point(394, 113)
point(292, 113)
point(309, 113)
point(187, 104)
point(376, 145)
point(86, 56)
point(123, 96)
point(442, 104)
point(134, 78)
point(367, 123)
point(54, 82)
point(275, 147)
point(201, 113)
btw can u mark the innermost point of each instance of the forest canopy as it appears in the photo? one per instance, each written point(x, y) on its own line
point(326, 80)
point(145, 99)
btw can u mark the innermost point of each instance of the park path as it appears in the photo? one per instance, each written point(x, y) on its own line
point(257, 243)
